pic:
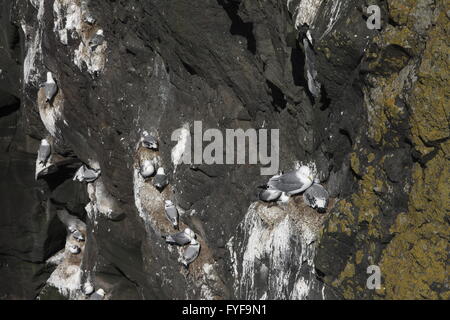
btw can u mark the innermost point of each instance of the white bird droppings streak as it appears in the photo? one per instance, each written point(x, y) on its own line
point(306, 12)
point(181, 146)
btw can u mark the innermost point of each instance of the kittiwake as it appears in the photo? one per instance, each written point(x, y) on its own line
point(181, 238)
point(88, 288)
point(44, 152)
point(77, 235)
point(171, 213)
point(97, 295)
point(74, 249)
point(72, 228)
point(269, 195)
point(147, 169)
point(160, 181)
point(316, 197)
point(85, 174)
point(191, 253)
point(148, 141)
point(50, 87)
point(292, 182)
point(97, 40)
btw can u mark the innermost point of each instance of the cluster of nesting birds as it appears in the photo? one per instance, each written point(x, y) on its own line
point(160, 181)
point(282, 186)
point(88, 288)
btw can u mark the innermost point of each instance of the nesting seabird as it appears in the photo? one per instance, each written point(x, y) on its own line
point(98, 295)
point(181, 238)
point(160, 181)
point(284, 198)
point(77, 235)
point(44, 152)
point(74, 249)
point(292, 182)
point(171, 213)
point(147, 169)
point(148, 141)
point(191, 253)
point(269, 195)
point(50, 87)
point(85, 174)
point(97, 40)
point(88, 288)
point(316, 197)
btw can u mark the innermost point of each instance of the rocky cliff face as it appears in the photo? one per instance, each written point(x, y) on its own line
point(369, 108)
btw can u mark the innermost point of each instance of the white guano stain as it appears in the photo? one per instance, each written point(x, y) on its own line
point(306, 12)
point(277, 244)
point(183, 143)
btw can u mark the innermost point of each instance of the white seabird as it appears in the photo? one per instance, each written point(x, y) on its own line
point(50, 87)
point(316, 197)
point(85, 174)
point(284, 198)
point(148, 141)
point(292, 182)
point(72, 228)
point(191, 253)
point(88, 288)
point(181, 238)
point(98, 295)
point(171, 213)
point(160, 181)
point(74, 249)
point(77, 235)
point(269, 195)
point(97, 40)
point(147, 169)
point(44, 152)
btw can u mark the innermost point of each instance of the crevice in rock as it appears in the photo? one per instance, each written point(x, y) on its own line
point(189, 68)
point(239, 27)
point(278, 98)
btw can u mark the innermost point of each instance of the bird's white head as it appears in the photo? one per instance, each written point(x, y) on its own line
point(145, 133)
point(101, 292)
point(88, 288)
point(44, 142)
point(147, 163)
point(194, 242)
point(189, 233)
point(100, 32)
point(307, 172)
point(160, 171)
point(168, 203)
point(50, 78)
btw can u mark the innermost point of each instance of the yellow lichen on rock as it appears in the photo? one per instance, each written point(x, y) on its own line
point(416, 259)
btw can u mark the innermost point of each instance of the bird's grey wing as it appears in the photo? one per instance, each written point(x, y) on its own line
point(172, 214)
point(44, 153)
point(269, 195)
point(90, 175)
point(97, 40)
point(95, 296)
point(318, 191)
point(160, 180)
point(50, 90)
point(308, 198)
point(286, 182)
point(191, 253)
point(179, 238)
